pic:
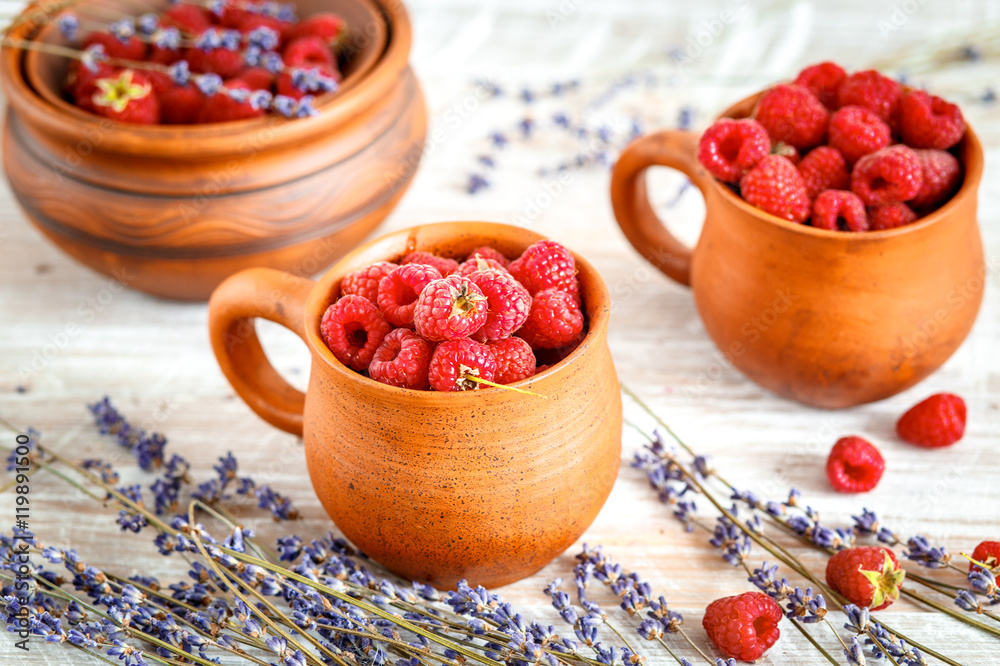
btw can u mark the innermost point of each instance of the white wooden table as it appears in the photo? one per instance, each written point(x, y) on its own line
point(152, 357)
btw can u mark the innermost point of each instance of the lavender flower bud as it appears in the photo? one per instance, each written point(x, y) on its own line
point(208, 40)
point(230, 40)
point(866, 523)
point(167, 37)
point(982, 581)
point(217, 7)
point(858, 619)
point(69, 26)
point(148, 23)
point(855, 655)
point(123, 29)
point(260, 99)
point(92, 56)
point(968, 602)
point(272, 62)
point(209, 84)
point(703, 465)
point(286, 12)
point(263, 37)
point(919, 550)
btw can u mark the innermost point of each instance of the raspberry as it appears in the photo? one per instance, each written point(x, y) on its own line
point(546, 265)
point(930, 122)
point(942, 174)
point(257, 78)
point(327, 26)
point(823, 80)
point(307, 52)
point(783, 149)
point(554, 320)
point(455, 361)
point(160, 81)
point(180, 105)
point(508, 304)
point(470, 266)
point(233, 14)
point(127, 97)
point(223, 62)
point(856, 131)
point(449, 308)
point(824, 169)
point(248, 24)
point(777, 187)
point(793, 115)
point(398, 292)
point(730, 148)
point(190, 18)
point(873, 91)
point(838, 210)
point(987, 552)
point(365, 282)
point(854, 465)
point(402, 360)
point(163, 56)
point(444, 266)
point(489, 253)
point(887, 176)
point(935, 422)
point(745, 626)
point(81, 83)
point(869, 576)
point(220, 107)
point(353, 329)
point(133, 49)
point(515, 360)
point(891, 216)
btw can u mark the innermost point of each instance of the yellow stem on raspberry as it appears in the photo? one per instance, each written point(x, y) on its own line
point(480, 380)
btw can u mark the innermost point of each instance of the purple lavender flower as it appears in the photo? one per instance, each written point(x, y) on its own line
point(148, 23)
point(805, 607)
point(855, 655)
point(208, 84)
point(923, 553)
point(283, 105)
point(69, 26)
point(968, 601)
point(209, 40)
point(260, 99)
point(866, 523)
point(858, 619)
point(264, 38)
point(123, 29)
point(476, 183)
point(765, 578)
point(93, 56)
point(167, 37)
point(734, 544)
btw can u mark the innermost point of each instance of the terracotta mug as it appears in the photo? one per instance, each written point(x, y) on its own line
point(487, 485)
point(827, 318)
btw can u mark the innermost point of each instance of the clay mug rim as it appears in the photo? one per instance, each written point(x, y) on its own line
point(677, 149)
point(392, 40)
point(298, 304)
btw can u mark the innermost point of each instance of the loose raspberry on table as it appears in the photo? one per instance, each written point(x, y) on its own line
point(868, 576)
point(854, 465)
point(856, 131)
point(872, 90)
point(891, 216)
point(508, 304)
point(515, 360)
point(987, 552)
point(930, 122)
point(449, 308)
point(455, 363)
point(444, 266)
point(402, 360)
point(554, 320)
point(398, 292)
point(824, 168)
point(839, 210)
point(489, 253)
point(745, 626)
point(546, 265)
point(941, 176)
point(364, 282)
point(935, 422)
point(791, 114)
point(470, 266)
point(353, 329)
point(777, 187)
point(730, 148)
point(823, 80)
point(887, 176)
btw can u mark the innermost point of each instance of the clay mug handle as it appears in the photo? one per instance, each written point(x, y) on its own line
point(268, 294)
point(644, 230)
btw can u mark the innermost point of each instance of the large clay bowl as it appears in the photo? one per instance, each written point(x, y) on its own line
point(486, 485)
point(173, 210)
point(827, 318)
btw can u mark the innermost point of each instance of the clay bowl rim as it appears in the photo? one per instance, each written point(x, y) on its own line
point(32, 64)
point(597, 312)
point(213, 139)
point(970, 148)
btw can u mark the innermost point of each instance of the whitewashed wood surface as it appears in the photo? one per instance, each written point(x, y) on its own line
point(152, 357)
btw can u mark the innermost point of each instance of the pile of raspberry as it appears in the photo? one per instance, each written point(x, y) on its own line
point(856, 152)
point(430, 322)
point(194, 64)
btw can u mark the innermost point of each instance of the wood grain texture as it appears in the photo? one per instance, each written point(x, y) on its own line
point(86, 337)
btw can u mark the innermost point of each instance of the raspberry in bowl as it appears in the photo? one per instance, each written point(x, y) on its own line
point(468, 480)
point(834, 267)
point(174, 209)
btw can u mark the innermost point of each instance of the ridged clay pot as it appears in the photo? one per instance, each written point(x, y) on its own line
point(487, 485)
point(173, 210)
point(827, 318)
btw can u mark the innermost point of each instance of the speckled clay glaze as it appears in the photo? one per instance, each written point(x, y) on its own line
point(487, 485)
